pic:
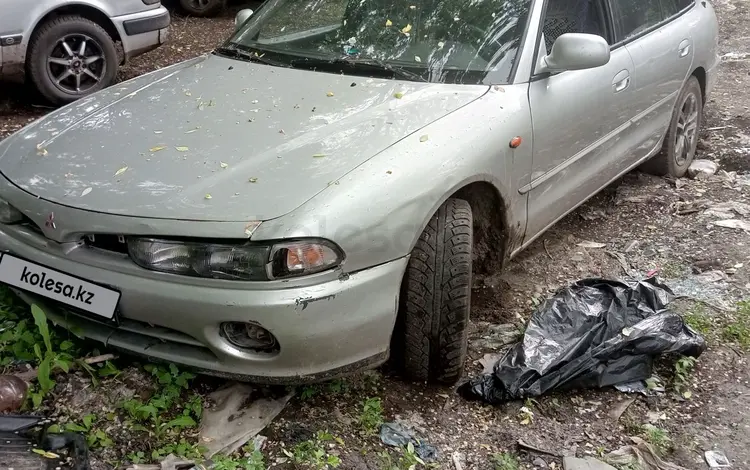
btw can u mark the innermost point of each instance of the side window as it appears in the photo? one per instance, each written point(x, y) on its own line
point(573, 16)
point(635, 16)
point(672, 7)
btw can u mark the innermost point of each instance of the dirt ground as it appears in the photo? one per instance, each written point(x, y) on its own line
point(647, 224)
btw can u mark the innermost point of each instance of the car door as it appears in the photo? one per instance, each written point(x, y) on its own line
point(657, 33)
point(580, 120)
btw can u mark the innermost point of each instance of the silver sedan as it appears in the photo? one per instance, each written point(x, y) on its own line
point(315, 194)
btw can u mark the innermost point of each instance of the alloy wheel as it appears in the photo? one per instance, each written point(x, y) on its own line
point(687, 130)
point(76, 64)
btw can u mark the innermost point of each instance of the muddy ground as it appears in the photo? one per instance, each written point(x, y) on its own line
point(647, 224)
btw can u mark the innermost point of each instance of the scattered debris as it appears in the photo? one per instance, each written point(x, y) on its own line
point(399, 435)
point(424, 138)
point(702, 169)
point(457, 457)
point(12, 393)
point(620, 408)
point(588, 463)
point(591, 245)
point(181, 149)
point(398, 95)
point(319, 155)
point(236, 418)
point(734, 223)
point(121, 171)
point(86, 191)
point(498, 336)
point(724, 210)
point(716, 459)
point(528, 447)
point(157, 148)
point(605, 333)
point(593, 214)
point(329, 94)
point(640, 455)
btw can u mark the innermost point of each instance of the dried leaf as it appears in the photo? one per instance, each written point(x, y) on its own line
point(526, 421)
point(424, 138)
point(329, 94)
point(593, 245)
point(223, 165)
point(398, 95)
point(187, 93)
point(192, 130)
point(207, 196)
point(45, 454)
point(319, 155)
point(158, 132)
point(121, 171)
point(687, 394)
point(41, 151)
point(86, 191)
point(388, 23)
point(253, 179)
point(417, 59)
point(157, 148)
point(182, 149)
point(441, 44)
point(406, 28)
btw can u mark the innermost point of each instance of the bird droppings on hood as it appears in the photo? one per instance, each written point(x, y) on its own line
point(424, 138)
point(498, 88)
point(253, 180)
point(329, 94)
point(86, 191)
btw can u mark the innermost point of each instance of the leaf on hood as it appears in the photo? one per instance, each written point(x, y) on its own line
point(398, 95)
point(406, 28)
point(187, 93)
point(319, 155)
point(41, 151)
point(192, 130)
point(86, 191)
point(424, 138)
point(329, 94)
point(157, 148)
point(417, 59)
point(253, 179)
point(223, 165)
point(441, 44)
point(181, 149)
point(388, 23)
point(121, 171)
point(158, 132)
point(207, 196)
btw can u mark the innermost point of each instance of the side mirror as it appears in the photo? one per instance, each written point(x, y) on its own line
point(241, 17)
point(576, 51)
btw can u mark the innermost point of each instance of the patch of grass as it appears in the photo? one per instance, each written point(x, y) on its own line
point(505, 461)
point(95, 436)
point(697, 319)
point(371, 416)
point(313, 453)
point(657, 437)
point(672, 270)
point(738, 331)
point(182, 449)
point(683, 370)
point(334, 387)
point(407, 460)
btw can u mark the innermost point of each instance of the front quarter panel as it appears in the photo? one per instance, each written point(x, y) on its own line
point(377, 212)
point(706, 40)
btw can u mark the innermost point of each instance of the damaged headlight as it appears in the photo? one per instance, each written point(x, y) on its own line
point(9, 214)
point(242, 261)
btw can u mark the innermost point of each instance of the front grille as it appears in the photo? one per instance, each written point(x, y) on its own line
point(107, 242)
point(31, 225)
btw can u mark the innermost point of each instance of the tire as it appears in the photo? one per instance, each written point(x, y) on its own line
point(202, 8)
point(671, 161)
point(436, 297)
point(46, 44)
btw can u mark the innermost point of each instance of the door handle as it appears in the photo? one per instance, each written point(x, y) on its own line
point(621, 81)
point(684, 48)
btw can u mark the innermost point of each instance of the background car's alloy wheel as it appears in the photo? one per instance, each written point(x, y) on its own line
point(681, 140)
point(70, 57)
point(435, 298)
point(202, 7)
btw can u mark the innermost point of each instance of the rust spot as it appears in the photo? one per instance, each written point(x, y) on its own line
point(515, 142)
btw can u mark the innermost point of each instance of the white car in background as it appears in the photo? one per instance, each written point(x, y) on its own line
point(70, 49)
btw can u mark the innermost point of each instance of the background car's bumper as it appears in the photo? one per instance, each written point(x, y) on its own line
point(323, 330)
point(143, 31)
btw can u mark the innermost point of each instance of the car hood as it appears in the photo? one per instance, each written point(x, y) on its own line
point(218, 139)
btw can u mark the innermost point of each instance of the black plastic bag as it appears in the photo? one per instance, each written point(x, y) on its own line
point(595, 333)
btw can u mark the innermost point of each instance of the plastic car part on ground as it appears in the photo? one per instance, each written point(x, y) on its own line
point(594, 333)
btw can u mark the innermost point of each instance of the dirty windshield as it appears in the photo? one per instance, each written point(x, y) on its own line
point(444, 41)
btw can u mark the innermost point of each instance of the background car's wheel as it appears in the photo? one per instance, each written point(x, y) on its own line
point(202, 8)
point(436, 294)
point(70, 57)
point(682, 136)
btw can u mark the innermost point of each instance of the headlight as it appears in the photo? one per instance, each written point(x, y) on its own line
point(9, 214)
point(241, 261)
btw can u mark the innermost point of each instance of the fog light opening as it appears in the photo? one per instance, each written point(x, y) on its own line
point(249, 336)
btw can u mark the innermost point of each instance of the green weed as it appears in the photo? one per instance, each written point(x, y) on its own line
point(698, 319)
point(253, 460)
point(136, 457)
point(95, 437)
point(738, 331)
point(334, 387)
point(505, 461)
point(657, 437)
point(183, 449)
point(371, 416)
point(683, 370)
point(313, 452)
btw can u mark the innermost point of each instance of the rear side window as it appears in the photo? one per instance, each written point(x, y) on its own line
point(635, 16)
point(672, 7)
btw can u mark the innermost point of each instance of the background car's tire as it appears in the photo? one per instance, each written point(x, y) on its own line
point(57, 67)
point(436, 297)
point(681, 140)
point(202, 8)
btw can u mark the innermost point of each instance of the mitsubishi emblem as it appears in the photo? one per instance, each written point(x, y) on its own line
point(50, 223)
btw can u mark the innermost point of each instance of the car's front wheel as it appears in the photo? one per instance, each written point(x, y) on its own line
point(70, 57)
point(436, 294)
point(202, 8)
point(681, 141)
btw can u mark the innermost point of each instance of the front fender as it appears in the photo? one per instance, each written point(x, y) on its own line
point(377, 211)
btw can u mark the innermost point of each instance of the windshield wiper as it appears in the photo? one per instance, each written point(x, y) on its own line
point(365, 62)
point(237, 53)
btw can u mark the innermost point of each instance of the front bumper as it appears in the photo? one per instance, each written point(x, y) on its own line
point(324, 330)
point(144, 31)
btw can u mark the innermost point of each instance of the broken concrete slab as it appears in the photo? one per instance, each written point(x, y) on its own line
point(588, 463)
